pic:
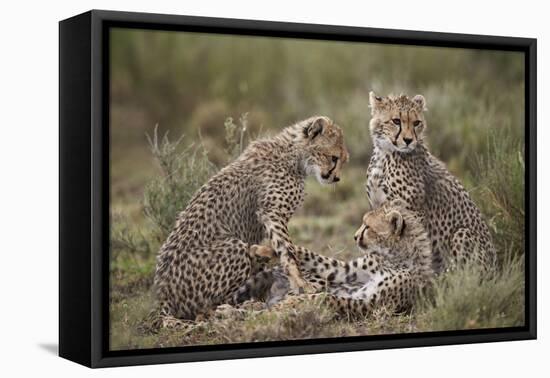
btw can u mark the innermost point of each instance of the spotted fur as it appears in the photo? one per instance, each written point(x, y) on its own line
point(207, 256)
point(401, 167)
point(396, 265)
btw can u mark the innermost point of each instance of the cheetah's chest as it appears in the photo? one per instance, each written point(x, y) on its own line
point(390, 176)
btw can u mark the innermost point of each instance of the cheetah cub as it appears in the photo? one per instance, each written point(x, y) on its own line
point(207, 256)
point(402, 167)
point(396, 266)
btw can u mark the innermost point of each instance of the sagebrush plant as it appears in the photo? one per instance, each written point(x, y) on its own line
point(126, 238)
point(183, 171)
point(236, 136)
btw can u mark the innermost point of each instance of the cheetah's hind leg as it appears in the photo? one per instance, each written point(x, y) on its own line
point(466, 248)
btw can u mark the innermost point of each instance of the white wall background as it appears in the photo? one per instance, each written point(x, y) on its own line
point(29, 189)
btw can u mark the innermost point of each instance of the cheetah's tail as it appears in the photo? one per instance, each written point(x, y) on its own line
point(343, 306)
point(158, 319)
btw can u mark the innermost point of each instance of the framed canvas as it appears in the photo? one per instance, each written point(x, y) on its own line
point(235, 188)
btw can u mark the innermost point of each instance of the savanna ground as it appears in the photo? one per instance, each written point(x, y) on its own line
point(212, 94)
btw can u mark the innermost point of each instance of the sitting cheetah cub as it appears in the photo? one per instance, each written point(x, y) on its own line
point(402, 167)
point(396, 265)
point(206, 257)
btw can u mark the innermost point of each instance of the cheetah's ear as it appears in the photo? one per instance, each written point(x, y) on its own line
point(420, 102)
point(396, 222)
point(315, 127)
point(375, 102)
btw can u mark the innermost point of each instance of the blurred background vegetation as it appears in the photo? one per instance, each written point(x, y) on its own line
point(183, 105)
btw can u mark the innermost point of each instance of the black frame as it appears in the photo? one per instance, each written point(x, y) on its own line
point(84, 187)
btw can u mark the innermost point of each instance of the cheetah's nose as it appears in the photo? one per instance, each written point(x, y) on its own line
point(336, 179)
point(407, 141)
point(355, 237)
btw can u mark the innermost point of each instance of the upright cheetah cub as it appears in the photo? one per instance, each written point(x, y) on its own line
point(396, 265)
point(207, 255)
point(402, 167)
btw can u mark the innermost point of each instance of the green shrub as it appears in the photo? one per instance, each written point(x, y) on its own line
point(127, 238)
point(183, 172)
point(236, 136)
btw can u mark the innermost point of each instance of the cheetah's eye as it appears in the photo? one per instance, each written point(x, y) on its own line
point(334, 159)
point(396, 121)
point(416, 123)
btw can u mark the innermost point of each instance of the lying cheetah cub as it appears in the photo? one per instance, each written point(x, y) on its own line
point(402, 167)
point(396, 265)
point(207, 255)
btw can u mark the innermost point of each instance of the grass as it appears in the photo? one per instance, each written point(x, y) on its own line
point(467, 299)
point(475, 125)
point(457, 300)
point(501, 193)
